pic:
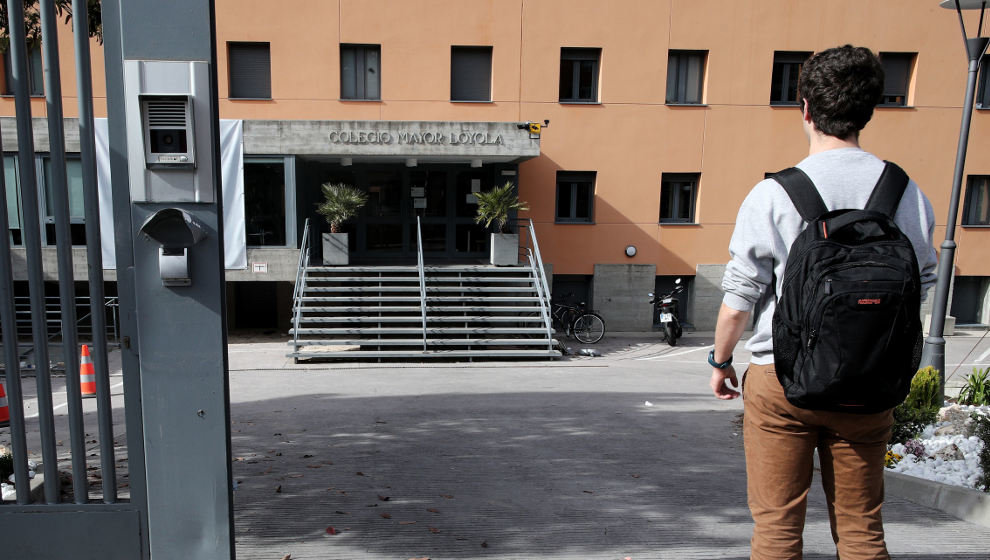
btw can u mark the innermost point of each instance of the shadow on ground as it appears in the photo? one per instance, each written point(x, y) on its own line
point(510, 475)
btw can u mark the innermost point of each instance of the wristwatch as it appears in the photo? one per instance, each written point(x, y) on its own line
point(714, 364)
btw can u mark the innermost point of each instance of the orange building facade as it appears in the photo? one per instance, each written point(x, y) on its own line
point(662, 115)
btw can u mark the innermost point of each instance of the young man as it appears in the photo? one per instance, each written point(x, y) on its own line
point(838, 89)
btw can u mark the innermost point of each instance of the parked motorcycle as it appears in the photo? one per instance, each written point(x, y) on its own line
point(666, 305)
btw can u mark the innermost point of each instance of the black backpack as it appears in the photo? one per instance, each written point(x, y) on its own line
point(847, 328)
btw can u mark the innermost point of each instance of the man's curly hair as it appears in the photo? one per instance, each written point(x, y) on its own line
point(842, 85)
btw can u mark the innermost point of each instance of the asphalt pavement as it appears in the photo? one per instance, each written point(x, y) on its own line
point(620, 456)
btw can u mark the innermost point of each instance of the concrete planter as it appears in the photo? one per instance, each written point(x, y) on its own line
point(335, 251)
point(505, 249)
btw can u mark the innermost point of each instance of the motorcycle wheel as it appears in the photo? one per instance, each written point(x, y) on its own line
point(670, 333)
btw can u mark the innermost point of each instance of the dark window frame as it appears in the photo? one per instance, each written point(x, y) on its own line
point(667, 180)
point(896, 94)
point(677, 69)
point(253, 94)
point(572, 181)
point(575, 57)
point(972, 208)
point(361, 86)
point(456, 73)
point(36, 73)
point(783, 77)
point(983, 94)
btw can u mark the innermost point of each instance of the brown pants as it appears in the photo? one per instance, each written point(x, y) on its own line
point(780, 440)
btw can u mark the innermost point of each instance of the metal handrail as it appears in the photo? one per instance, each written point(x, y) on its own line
point(542, 276)
point(422, 277)
point(53, 315)
point(299, 287)
point(544, 310)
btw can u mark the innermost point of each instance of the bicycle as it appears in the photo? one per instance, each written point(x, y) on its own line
point(574, 320)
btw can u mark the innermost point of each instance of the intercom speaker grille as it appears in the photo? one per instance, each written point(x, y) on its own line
point(166, 113)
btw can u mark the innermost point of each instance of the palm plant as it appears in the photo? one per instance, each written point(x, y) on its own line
point(494, 206)
point(340, 203)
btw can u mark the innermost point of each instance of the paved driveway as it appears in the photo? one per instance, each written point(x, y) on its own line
point(620, 456)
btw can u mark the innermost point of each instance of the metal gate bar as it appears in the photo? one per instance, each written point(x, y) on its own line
point(63, 243)
point(94, 249)
point(32, 244)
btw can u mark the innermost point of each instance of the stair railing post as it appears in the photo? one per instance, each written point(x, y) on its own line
point(422, 277)
point(539, 291)
point(299, 287)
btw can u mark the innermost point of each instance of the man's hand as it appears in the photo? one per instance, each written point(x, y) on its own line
point(719, 384)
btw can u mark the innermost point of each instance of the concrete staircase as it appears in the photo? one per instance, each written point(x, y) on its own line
point(461, 312)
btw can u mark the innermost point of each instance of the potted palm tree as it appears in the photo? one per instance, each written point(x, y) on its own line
point(340, 203)
point(494, 207)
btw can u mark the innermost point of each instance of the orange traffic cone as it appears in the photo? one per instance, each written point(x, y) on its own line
point(87, 376)
point(4, 410)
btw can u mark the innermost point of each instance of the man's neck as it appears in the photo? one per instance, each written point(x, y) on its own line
point(818, 142)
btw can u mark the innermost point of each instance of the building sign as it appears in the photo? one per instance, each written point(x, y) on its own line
point(436, 138)
point(487, 141)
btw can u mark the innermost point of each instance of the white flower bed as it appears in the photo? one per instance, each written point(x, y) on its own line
point(937, 463)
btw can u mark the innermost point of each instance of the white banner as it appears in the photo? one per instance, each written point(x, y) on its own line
point(231, 176)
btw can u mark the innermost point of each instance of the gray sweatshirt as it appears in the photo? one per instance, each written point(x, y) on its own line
point(768, 224)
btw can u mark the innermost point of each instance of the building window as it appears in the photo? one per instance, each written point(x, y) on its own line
point(677, 195)
point(579, 75)
point(575, 197)
point(470, 73)
point(250, 66)
point(360, 72)
point(983, 97)
point(14, 211)
point(784, 81)
point(36, 84)
point(77, 212)
point(264, 201)
point(977, 208)
point(685, 77)
point(897, 77)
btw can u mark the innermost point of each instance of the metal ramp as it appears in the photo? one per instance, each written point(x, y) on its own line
point(421, 312)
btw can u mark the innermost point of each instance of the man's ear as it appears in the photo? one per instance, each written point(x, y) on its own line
point(805, 114)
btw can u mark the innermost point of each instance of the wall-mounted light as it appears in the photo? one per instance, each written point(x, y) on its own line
point(346, 161)
point(475, 163)
point(630, 250)
point(411, 162)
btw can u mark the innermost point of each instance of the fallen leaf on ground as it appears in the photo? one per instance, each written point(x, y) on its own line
point(407, 522)
point(359, 473)
point(635, 476)
point(307, 456)
point(588, 491)
point(338, 512)
point(384, 498)
point(295, 476)
point(484, 544)
point(387, 515)
point(434, 530)
point(314, 466)
point(278, 489)
point(447, 496)
point(331, 531)
point(433, 510)
point(287, 557)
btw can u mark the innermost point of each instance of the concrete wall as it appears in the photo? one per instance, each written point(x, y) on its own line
point(619, 295)
point(707, 296)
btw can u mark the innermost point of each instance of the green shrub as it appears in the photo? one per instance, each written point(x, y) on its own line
point(920, 408)
point(495, 205)
point(977, 389)
point(983, 432)
point(6, 466)
point(340, 203)
point(926, 390)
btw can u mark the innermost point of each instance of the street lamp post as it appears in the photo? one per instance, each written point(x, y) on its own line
point(934, 350)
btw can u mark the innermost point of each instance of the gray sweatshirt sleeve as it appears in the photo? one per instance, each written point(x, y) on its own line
point(917, 220)
point(750, 269)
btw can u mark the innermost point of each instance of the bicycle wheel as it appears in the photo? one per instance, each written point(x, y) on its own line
point(588, 328)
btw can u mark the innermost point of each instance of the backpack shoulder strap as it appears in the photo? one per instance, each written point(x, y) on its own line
point(887, 193)
point(803, 193)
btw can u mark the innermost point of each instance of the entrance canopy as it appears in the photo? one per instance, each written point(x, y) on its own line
point(409, 142)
